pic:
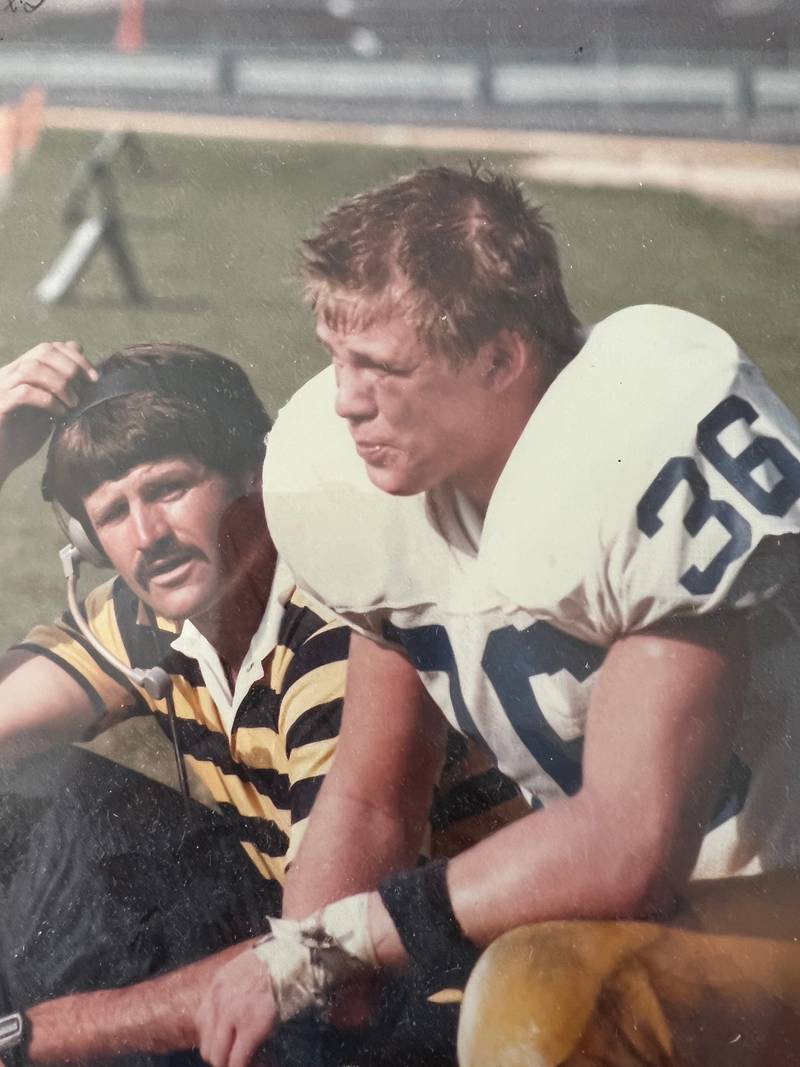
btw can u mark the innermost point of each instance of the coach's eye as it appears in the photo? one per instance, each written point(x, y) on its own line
point(112, 514)
point(171, 490)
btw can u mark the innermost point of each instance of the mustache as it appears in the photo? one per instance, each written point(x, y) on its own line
point(168, 551)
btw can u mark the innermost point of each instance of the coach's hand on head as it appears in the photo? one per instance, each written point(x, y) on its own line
point(35, 389)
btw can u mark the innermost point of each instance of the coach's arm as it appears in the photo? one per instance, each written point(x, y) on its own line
point(153, 1017)
point(658, 739)
point(40, 704)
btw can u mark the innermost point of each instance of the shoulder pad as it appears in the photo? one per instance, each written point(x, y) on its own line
point(565, 526)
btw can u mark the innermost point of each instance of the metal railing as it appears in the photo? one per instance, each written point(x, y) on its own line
point(739, 87)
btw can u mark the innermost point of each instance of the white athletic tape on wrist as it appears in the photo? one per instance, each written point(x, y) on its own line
point(309, 958)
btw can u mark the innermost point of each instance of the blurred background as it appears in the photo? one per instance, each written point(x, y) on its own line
point(698, 66)
point(661, 136)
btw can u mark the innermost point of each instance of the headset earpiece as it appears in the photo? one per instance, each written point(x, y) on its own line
point(84, 544)
point(74, 530)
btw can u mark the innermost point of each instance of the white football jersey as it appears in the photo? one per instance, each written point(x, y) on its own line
point(658, 477)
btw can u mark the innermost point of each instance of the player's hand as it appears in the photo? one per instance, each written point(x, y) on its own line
point(36, 388)
point(237, 1014)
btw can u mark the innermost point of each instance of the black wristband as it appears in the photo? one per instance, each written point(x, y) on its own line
point(418, 902)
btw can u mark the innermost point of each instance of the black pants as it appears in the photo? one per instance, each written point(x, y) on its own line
point(409, 1032)
point(105, 882)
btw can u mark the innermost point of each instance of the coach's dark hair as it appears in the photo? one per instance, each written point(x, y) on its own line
point(461, 255)
point(204, 407)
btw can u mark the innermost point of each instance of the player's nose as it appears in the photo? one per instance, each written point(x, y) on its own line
point(355, 400)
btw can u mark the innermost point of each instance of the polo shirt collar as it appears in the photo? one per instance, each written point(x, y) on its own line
point(190, 642)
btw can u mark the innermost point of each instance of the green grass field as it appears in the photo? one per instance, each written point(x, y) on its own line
point(215, 227)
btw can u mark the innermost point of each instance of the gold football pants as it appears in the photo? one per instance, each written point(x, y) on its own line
point(719, 986)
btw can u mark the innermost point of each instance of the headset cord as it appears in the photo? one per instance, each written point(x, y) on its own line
point(180, 762)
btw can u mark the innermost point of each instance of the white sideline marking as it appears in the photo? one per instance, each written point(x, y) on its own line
point(735, 172)
point(467, 138)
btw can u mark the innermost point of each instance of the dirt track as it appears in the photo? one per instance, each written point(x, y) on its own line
point(760, 179)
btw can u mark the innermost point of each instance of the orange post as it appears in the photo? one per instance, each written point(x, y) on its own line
point(8, 150)
point(31, 116)
point(8, 142)
point(130, 27)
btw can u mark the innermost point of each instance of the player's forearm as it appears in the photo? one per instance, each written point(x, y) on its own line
point(521, 874)
point(153, 1017)
point(336, 860)
point(580, 858)
point(525, 873)
point(653, 766)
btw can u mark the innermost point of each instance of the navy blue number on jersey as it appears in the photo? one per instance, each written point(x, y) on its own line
point(512, 657)
point(510, 660)
point(429, 649)
point(738, 472)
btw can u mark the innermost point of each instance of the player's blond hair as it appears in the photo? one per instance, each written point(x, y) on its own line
point(461, 255)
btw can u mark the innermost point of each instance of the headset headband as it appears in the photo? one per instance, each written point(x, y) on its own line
point(187, 379)
point(190, 382)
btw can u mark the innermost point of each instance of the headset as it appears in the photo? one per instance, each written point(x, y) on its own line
point(191, 381)
point(109, 387)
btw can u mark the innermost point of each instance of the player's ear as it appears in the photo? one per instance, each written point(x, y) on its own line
point(504, 359)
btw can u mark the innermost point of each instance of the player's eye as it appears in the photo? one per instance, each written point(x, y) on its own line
point(377, 365)
point(392, 371)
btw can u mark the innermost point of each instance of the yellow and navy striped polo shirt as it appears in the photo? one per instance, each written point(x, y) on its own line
point(264, 773)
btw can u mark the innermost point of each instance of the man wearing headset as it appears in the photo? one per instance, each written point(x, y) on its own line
point(156, 455)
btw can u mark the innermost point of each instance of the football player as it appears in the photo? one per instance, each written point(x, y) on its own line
point(581, 551)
